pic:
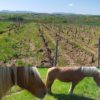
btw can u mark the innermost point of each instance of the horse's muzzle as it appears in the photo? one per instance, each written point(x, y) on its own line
point(43, 95)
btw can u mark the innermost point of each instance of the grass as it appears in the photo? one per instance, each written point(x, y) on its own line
point(85, 90)
point(17, 44)
point(4, 25)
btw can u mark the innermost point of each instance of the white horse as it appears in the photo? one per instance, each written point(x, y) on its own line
point(71, 74)
point(26, 77)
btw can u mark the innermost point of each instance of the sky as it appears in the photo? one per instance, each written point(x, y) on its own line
point(52, 6)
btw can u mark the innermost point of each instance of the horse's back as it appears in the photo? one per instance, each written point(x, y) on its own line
point(67, 74)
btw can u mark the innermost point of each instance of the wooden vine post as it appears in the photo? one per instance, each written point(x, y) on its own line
point(56, 48)
point(99, 53)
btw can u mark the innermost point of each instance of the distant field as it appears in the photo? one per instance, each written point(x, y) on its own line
point(85, 90)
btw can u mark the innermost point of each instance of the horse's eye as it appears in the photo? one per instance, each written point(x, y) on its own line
point(32, 73)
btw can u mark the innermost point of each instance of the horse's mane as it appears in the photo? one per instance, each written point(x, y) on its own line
point(27, 73)
point(89, 70)
point(36, 73)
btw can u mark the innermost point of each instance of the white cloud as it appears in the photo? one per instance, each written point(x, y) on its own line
point(70, 4)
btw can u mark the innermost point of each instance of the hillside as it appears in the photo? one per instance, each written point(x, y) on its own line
point(30, 39)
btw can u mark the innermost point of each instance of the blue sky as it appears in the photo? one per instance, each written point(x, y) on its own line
point(50, 6)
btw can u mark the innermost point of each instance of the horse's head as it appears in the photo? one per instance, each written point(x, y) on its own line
point(97, 78)
point(38, 87)
point(29, 79)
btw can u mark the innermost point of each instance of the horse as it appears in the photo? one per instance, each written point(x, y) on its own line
point(26, 77)
point(71, 74)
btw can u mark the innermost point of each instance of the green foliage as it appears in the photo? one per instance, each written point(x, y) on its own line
point(52, 18)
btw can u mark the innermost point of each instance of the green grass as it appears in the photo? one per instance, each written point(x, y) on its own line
point(85, 90)
point(17, 44)
point(4, 25)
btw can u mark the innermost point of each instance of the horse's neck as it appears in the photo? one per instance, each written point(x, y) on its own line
point(89, 71)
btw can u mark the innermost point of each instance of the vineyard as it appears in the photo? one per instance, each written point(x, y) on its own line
point(25, 42)
point(80, 41)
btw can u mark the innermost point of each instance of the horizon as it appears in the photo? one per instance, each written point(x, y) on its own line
point(23, 11)
point(43, 6)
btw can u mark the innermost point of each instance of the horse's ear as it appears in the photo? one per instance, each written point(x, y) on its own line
point(35, 70)
point(31, 71)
